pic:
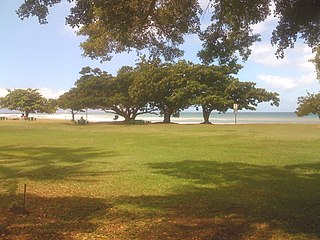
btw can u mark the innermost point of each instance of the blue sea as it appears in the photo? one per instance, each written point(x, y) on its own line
point(249, 118)
point(190, 117)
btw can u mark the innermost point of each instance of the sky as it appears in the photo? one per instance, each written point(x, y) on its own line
point(48, 57)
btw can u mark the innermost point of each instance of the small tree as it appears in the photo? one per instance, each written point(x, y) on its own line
point(25, 100)
point(309, 104)
point(71, 101)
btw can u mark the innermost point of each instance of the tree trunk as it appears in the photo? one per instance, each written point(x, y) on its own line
point(167, 117)
point(72, 115)
point(206, 115)
point(127, 118)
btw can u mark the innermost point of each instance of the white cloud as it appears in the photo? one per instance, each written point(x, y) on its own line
point(264, 54)
point(49, 93)
point(46, 92)
point(3, 92)
point(278, 81)
point(288, 83)
point(266, 26)
point(295, 59)
point(300, 56)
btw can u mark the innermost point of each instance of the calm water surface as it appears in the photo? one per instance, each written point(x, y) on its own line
point(192, 117)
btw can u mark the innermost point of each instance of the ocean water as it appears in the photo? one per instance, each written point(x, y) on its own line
point(190, 117)
point(240, 118)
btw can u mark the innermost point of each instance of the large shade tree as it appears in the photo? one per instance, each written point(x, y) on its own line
point(168, 88)
point(213, 82)
point(100, 90)
point(173, 87)
point(160, 25)
point(27, 101)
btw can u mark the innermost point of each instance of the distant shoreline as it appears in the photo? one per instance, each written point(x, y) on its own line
point(187, 118)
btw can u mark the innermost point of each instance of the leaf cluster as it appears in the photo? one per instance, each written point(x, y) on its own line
point(309, 104)
point(159, 26)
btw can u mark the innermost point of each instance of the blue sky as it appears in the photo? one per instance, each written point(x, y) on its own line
point(48, 57)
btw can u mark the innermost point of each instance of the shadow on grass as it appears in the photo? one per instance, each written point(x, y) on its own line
point(215, 201)
point(234, 201)
point(54, 218)
point(46, 163)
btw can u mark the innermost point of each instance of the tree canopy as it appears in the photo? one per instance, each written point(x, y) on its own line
point(309, 104)
point(27, 101)
point(71, 101)
point(166, 87)
point(247, 96)
point(172, 87)
point(213, 83)
point(100, 90)
point(163, 88)
point(160, 25)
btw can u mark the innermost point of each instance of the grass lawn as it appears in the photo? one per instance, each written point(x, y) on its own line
point(159, 181)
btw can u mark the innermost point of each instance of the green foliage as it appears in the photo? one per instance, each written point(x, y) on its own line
point(297, 18)
point(73, 101)
point(316, 60)
point(119, 26)
point(168, 88)
point(160, 25)
point(51, 106)
point(27, 101)
point(230, 31)
point(309, 104)
point(247, 96)
point(213, 82)
point(171, 88)
point(100, 90)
